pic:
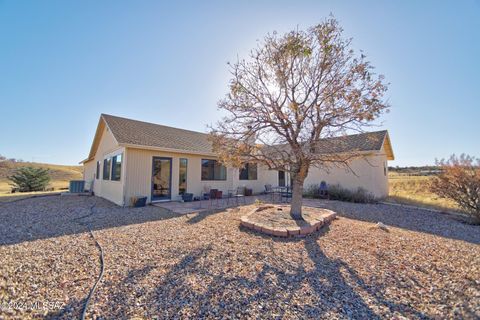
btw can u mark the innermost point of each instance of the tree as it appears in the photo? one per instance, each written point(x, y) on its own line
point(30, 179)
point(293, 91)
point(459, 181)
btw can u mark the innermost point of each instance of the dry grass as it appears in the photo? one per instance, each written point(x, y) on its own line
point(60, 175)
point(414, 190)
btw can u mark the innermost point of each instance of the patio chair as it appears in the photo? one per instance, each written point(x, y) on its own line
point(229, 196)
point(323, 190)
point(268, 190)
point(286, 194)
point(215, 194)
point(237, 194)
point(206, 193)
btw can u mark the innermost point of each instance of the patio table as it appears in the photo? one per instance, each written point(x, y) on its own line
point(282, 191)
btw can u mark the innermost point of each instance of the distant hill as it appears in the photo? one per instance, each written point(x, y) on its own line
point(60, 175)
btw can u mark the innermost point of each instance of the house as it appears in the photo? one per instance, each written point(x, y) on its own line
point(131, 158)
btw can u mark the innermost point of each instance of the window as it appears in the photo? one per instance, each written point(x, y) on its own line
point(117, 167)
point(97, 176)
point(182, 183)
point(385, 169)
point(213, 170)
point(106, 168)
point(281, 178)
point(248, 172)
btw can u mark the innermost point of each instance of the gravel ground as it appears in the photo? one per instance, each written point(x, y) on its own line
point(159, 264)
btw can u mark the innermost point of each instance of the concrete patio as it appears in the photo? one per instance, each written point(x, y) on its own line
point(216, 204)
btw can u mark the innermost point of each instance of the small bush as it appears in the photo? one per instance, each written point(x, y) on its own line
point(337, 192)
point(360, 195)
point(258, 202)
point(459, 181)
point(311, 191)
point(28, 179)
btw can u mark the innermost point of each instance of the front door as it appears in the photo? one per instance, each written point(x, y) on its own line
point(161, 179)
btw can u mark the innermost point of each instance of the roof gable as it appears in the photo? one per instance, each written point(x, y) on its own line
point(97, 138)
point(361, 142)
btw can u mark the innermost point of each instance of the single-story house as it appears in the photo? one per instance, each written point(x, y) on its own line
point(131, 158)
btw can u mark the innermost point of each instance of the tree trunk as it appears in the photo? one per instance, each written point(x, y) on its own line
point(297, 197)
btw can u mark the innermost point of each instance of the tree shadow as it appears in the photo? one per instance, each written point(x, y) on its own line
point(418, 220)
point(374, 291)
point(55, 216)
point(200, 216)
point(205, 284)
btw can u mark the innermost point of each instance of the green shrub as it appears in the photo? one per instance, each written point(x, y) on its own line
point(337, 192)
point(360, 195)
point(28, 179)
point(259, 202)
point(311, 191)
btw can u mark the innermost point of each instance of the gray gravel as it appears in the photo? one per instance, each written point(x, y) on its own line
point(425, 265)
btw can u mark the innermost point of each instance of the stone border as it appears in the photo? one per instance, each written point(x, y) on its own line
point(286, 232)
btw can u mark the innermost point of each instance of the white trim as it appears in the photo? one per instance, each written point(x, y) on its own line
point(387, 136)
point(113, 152)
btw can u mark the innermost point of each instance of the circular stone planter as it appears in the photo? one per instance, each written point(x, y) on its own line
point(275, 220)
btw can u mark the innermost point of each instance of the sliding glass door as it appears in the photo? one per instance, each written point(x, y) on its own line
point(161, 178)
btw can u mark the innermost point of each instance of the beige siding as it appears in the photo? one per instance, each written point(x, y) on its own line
point(369, 174)
point(139, 175)
point(89, 173)
point(110, 190)
point(264, 176)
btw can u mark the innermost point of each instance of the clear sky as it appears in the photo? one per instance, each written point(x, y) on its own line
point(62, 63)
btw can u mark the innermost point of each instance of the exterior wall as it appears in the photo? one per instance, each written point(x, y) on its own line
point(110, 190)
point(264, 176)
point(136, 176)
point(89, 173)
point(139, 175)
point(370, 175)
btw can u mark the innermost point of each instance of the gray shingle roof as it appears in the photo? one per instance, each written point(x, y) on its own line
point(368, 141)
point(139, 133)
point(134, 132)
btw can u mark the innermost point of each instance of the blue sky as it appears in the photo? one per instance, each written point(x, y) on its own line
point(62, 63)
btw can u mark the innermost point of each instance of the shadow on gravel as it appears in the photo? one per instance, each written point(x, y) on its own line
point(353, 284)
point(72, 310)
point(55, 216)
point(443, 225)
point(206, 284)
point(200, 216)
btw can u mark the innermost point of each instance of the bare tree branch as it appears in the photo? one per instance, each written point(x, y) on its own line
point(295, 90)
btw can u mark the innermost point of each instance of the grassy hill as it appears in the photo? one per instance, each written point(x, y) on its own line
point(60, 175)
